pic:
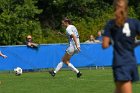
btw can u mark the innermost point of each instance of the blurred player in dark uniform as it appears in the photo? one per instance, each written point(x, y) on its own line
point(121, 32)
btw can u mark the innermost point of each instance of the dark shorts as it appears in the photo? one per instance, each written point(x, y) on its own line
point(126, 73)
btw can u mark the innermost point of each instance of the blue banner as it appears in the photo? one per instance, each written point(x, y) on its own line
point(48, 56)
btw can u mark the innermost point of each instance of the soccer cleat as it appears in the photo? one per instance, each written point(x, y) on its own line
point(79, 74)
point(52, 73)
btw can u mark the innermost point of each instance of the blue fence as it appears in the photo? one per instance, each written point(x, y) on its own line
point(48, 56)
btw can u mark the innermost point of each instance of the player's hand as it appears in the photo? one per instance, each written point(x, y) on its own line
point(4, 56)
point(29, 44)
point(78, 48)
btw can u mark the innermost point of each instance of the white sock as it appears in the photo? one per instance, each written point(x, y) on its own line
point(73, 68)
point(59, 66)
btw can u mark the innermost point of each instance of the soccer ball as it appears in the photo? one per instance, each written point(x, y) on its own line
point(18, 71)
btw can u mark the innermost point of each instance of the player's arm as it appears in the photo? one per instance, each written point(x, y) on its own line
point(106, 42)
point(34, 44)
point(72, 35)
point(75, 40)
point(1, 54)
point(106, 35)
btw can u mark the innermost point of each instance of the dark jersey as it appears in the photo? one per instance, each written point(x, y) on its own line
point(123, 41)
point(99, 38)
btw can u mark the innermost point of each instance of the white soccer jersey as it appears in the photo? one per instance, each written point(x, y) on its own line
point(71, 29)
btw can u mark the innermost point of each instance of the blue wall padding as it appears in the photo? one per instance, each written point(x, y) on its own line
point(48, 56)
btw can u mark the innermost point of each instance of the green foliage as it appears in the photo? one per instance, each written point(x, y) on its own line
point(132, 13)
point(96, 15)
point(21, 17)
point(137, 10)
point(17, 20)
point(89, 16)
point(53, 36)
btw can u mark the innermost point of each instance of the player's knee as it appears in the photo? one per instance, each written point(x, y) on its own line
point(64, 60)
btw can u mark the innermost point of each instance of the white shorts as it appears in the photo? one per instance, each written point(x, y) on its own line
point(71, 50)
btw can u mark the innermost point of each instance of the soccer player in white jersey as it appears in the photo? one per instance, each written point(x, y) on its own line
point(74, 47)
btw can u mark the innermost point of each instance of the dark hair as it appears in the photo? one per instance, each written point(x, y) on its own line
point(116, 3)
point(123, 11)
point(67, 20)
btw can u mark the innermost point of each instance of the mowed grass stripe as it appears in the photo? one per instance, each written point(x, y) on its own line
point(92, 81)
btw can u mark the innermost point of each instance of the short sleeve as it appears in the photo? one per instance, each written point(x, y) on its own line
point(107, 29)
point(69, 31)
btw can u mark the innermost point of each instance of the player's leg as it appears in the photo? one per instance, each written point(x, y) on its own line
point(59, 66)
point(66, 60)
point(124, 76)
point(123, 87)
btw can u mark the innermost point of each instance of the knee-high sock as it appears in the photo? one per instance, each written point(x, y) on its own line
point(59, 66)
point(73, 68)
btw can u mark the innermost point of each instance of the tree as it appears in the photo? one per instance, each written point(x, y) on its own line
point(17, 19)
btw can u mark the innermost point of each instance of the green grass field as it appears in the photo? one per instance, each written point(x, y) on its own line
point(92, 81)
